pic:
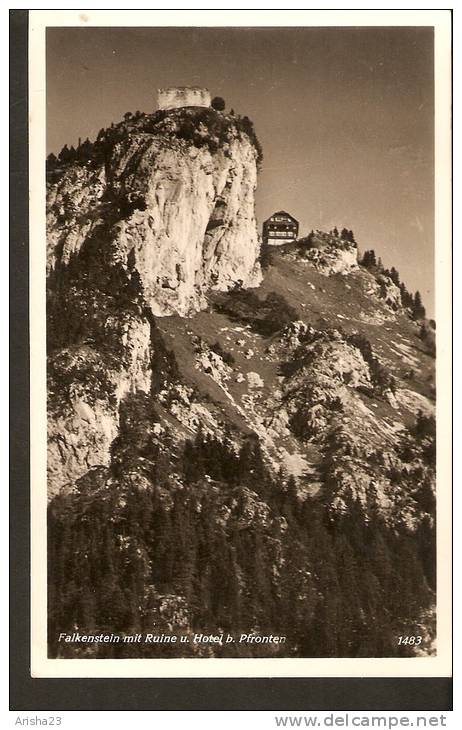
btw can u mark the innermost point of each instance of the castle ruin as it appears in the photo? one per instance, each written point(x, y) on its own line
point(175, 97)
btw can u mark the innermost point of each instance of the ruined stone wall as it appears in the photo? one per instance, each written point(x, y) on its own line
point(175, 97)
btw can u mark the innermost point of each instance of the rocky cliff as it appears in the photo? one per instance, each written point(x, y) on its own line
point(173, 205)
point(249, 453)
point(159, 212)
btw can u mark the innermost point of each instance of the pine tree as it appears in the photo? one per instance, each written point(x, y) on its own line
point(52, 161)
point(292, 490)
point(185, 547)
point(369, 260)
point(394, 276)
point(406, 297)
point(162, 550)
point(193, 461)
point(418, 310)
point(266, 258)
point(64, 155)
point(86, 150)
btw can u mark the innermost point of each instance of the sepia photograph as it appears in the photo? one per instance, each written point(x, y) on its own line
point(241, 344)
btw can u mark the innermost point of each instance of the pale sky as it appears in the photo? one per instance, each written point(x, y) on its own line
point(344, 116)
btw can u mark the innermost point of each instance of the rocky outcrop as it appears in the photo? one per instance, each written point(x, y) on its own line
point(180, 215)
point(329, 253)
point(334, 260)
point(389, 292)
point(327, 376)
point(85, 390)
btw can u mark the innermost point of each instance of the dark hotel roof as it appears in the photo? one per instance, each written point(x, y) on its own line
point(282, 212)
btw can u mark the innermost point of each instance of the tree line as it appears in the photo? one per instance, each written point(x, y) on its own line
point(228, 546)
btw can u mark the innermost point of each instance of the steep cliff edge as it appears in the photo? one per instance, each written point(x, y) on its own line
point(175, 204)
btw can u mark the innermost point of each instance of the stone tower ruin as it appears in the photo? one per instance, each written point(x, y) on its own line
point(175, 97)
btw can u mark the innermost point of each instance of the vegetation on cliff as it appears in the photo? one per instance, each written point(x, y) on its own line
point(203, 127)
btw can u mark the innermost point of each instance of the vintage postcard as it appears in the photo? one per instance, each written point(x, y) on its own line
point(240, 326)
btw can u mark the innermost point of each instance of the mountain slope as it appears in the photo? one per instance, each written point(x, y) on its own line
point(263, 466)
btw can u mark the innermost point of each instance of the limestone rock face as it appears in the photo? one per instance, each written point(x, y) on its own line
point(184, 218)
point(330, 253)
point(74, 209)
point(85, 390)
point(333, 259)
point(198, 230)
point(389, 292)
point(323, 397)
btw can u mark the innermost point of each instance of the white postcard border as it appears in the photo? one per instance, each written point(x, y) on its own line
point(41, 666)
